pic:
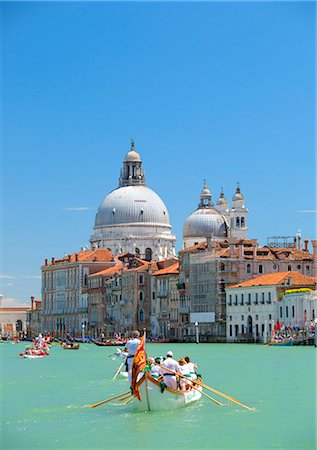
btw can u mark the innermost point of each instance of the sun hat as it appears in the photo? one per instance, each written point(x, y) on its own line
point(169, 353)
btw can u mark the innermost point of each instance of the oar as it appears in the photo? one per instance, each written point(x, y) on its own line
point(210, 389)
point(117, 372)
point(225, 396)
point(190, 382)
point(109, 399)
point(124, 398)
point(128, 401)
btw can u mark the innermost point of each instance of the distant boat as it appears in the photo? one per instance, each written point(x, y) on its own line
point(69, 346)
point(152, 398)
point(108, 343)
point(283, 342)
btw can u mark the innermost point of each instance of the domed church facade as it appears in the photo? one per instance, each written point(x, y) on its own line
point(133, 218)
point(219, 222)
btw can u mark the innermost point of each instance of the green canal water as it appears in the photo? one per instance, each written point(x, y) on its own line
point(43, 401)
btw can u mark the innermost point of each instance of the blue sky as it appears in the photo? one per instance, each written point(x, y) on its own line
point(222, 91)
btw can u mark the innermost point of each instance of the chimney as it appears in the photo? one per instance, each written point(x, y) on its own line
point(76, 257)
point(306, 245)
point(69, 257)
point(53, 259)
point(314, 244)
point(299, 242)
point(32, 303)
point(45, 263)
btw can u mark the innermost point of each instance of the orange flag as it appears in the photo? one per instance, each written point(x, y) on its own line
point(139, 363)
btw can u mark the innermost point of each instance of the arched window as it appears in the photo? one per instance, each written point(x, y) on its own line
point(238, 222)
point(137, 251)
point(242, 222)
point(141, 315)
point(289, 268)
point(260, 268)
point(148, 254)
point(19, 325)
point(248, 268)
point(141, 296)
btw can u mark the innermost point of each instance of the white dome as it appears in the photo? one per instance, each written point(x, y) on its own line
point(132, 155)
point(132, 204)
point(203, 223)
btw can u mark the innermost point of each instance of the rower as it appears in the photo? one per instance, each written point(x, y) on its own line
point(155, 370)
point(192, 368)
point(131, 347)
point(185, 371)
point(169, 377)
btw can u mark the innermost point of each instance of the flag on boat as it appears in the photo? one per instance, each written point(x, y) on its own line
point(139, 363)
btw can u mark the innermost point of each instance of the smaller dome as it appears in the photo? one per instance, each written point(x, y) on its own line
point(204, 223)
point(132, 155)
point(238, 195)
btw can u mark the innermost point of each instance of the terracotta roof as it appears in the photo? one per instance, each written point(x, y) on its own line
point(279, 278)
point(147, 266)
point(293, 253)
point(173, 269)
point(110, 271)
point(200, 246)
point(97, 255)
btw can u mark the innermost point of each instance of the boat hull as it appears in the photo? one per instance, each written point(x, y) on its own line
point(285, 343)
point(152, 399)
point(33, 356)
point(70, 347)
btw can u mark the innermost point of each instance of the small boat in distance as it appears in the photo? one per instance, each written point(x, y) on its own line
point(69, 346)
point(109, 343)
point(282, 342)
point(153, 399)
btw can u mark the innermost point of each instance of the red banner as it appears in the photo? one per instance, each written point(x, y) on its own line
point(139, 363)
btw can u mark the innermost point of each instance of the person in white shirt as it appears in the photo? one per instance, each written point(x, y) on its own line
point(155, 370)
point(185, 371)
point(168, 377)
point(130, 348)
point(192, 368)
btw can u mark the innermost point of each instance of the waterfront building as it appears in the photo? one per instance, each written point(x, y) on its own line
point(12, 318)
point(165, 302)
point(208, 268)
point(96, 299)
point(216, 222)
point(34, 318)
point(298, 307)
point(253, 306)
point(64, 296)
point(132, 218)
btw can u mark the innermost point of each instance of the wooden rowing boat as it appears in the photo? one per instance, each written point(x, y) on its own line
point(283, 343)
point(152, 398)
point(69, 347)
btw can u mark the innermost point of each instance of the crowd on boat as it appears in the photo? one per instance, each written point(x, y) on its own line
point(40, 347)
point(176, 374)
